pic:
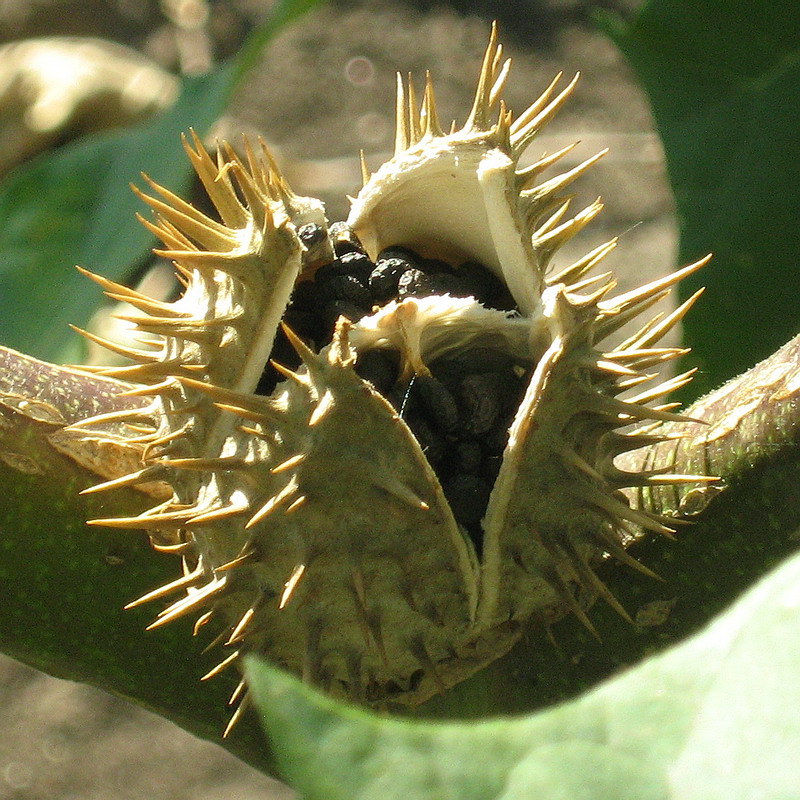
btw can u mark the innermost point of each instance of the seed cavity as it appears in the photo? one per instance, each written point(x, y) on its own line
point(461, 407)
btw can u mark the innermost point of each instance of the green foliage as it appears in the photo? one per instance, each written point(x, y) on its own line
point(723, 78)
point(713, 719)
point(75, 207)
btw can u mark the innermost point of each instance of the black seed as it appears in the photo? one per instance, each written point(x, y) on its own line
point(435, 265)
point(468, 496)
point(436, 403)
point(380, 368)
point(481, 401)
point(467, 456)
point(416, 283)
point(497, 438)
point(358, 265)
point(305, 296)
point(482, 284)
point(404, 253)
point(384, 278)
point(311, 235)
point(345, 287)
point(432, 443)
point(451, 369)
point(344, 240)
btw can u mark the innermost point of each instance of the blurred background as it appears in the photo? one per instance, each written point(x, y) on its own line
point(322, 91)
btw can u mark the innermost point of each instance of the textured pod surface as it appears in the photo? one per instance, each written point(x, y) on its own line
point(382, 492)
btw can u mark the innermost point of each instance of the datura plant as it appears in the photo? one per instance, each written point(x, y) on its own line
point(381, 447)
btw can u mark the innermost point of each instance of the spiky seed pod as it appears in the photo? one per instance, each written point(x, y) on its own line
point(312, 523)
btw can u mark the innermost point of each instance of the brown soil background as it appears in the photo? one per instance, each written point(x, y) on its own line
point(323, 91)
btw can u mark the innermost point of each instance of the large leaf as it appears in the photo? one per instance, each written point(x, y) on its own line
point(715, 718)
point(75, 207)
point(723, 78)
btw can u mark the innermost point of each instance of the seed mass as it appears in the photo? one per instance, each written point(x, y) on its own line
point(460, 409)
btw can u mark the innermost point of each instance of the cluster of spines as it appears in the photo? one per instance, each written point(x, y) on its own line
point(237, 276)
point(540, 209)
point(574, 404)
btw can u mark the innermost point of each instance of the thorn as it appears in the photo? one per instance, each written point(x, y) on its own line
point(307, 355)
point(176, 519)
point(295, 505)
point(143, 475)
point(233, 563)
point(291, 585)
point(401, 491)
point(563, 591)
point(528, 124)
point(203, 619)
point(365, 176)
point(237, 692)
point(222, 464)
point(167, 588)
point(191, 602)
point(478, 118)
point(647, 291)
point(420, 653)
point(232, 510)
point(242, 625)
point(589, 575)
point(236, 716)
point(290, 463)
point(616, 509)
point(221, 666)
point(127, 352)
point(298, 378)
point(528, 174)
point(431, 124)
point(324, 405)
point(610, 543)
point(274, 502)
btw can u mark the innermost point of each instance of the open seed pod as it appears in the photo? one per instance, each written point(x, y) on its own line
point(390, 441)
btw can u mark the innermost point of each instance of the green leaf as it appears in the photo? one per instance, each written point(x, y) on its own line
point(75, 207)
point(723, 78)
point(715, 718)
